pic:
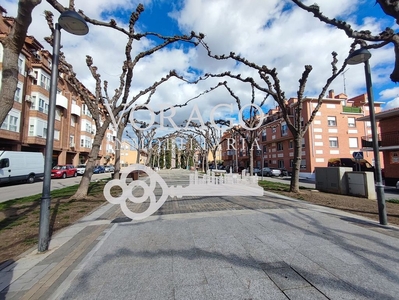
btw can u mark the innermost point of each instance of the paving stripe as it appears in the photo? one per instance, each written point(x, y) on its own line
point(50, 278)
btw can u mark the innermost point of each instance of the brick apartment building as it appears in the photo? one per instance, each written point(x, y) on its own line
point(25, 127)
point(334, 133)
point(388, 142)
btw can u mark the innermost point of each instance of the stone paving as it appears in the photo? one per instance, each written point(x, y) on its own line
point(267, 247)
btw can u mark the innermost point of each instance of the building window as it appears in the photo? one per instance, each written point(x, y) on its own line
point(58, 114)
point(279, 146)
point(291, 163)
point(274, 129)
point(291, 144)
point(43, 106)
point(351, 122)
point(303, 163)
point(284, 130)
point(333, 142)
point(263, 135)
point(11, 122)
point(34, 104)
point(73, 120)
point(303, 142)
point(368, 123)
point(281, 163)
point(17, 95)
point(20, 65)
point(45, 82)
point(353, 142)
point(264, 148)
point(31, 130)
point(332, 121)
point(44, 132)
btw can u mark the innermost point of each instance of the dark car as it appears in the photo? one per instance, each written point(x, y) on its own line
point(284, 172)
point(356, 165)
point(98, 170)
point(266, 171)
point(63, 171)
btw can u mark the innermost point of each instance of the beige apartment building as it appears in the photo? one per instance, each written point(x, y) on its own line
point(334, 133)
point(25, 127)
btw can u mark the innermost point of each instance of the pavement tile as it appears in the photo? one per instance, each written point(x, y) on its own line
point(305, 293)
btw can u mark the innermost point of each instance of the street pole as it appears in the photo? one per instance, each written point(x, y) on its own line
point(75, 24)
point(379, 187)
point(44, 222)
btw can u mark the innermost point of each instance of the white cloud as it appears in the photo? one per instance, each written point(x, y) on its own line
point(264, 32)
point(392, 104)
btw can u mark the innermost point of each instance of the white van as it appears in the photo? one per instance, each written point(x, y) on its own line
point(21, 166)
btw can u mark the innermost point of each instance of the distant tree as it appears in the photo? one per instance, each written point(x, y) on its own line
point(270, 85)
point(376, 40)
point(12, 46)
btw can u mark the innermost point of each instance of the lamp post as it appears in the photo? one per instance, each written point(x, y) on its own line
point(357, 57)
point(73, 23)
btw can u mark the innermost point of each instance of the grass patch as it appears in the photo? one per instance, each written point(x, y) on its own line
point(277, 186)
point(392, 201)
point(19, 218)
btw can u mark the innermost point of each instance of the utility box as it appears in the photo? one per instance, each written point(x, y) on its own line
point(361, 184)
point(332, 179)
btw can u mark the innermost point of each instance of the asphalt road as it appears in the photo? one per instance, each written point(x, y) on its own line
point(9, 192)
point(14, 191)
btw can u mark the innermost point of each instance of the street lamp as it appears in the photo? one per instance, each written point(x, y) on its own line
point(357, 57)
point(73, 23)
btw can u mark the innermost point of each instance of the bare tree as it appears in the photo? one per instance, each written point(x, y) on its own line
point(273, 88)
point(12, 45)
point(104, 107)
point(377, 40)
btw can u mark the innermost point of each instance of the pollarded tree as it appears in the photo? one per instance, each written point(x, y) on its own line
point(269, 84)
point(375, 40)
point(108, 109)
point(12, 45)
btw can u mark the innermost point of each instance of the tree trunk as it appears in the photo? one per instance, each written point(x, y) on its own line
point(251, 159)
point(294, 186)
point(12, 45)
point(83, 188)
point(118, 153)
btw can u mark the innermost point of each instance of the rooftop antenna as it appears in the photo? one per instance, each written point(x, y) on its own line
point(343, 75)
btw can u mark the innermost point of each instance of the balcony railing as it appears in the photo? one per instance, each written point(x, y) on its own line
point(384, 140)
point(351, 109)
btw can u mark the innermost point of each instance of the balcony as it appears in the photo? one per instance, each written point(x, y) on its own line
point(75, 110)
point(351, 109)
point(61, 101)
point(387, 139)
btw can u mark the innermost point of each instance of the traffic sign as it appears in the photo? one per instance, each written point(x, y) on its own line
point(358, 155)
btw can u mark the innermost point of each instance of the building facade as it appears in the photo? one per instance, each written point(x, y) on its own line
point(334, 133)
point(388, 142)
point(25, 128)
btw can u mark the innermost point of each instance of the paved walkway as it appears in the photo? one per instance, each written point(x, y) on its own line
point(267, 247)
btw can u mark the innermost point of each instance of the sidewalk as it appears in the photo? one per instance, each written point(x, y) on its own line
point(268, 247)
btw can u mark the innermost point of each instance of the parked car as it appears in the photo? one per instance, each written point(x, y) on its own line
point(351, 163)
point(284, 172)
point(64, 171)
point(109, 168)
point(21, 166)
point(266, 171)
point(81, 169)
point(276, 172)
point(98, 170)
point(256, 171)
point(397, 185)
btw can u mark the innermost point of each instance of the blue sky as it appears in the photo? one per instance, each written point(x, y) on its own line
point(271, 32)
